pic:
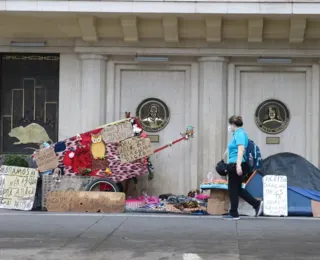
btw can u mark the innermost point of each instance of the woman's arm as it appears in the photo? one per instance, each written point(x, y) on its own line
point(240, 142)
point(240, 154)
point(239, 159)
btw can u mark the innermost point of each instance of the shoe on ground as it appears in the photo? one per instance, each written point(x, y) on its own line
point(259, 210)
point(229, 217)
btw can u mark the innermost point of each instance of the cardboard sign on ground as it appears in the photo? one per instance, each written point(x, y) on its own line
point(46, 159)
point(86, 201)
point(17, 187)
point(52, 183)
point(135, 148)
point(275, 195)
point(117, 132)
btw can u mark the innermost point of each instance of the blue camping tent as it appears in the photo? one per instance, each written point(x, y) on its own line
point(303, 181)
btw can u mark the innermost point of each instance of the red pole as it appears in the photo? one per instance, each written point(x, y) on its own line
point(167, 145)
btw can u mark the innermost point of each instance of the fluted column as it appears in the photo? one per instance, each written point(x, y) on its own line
point(93, 89)
point(212, 113)
point(315, 110)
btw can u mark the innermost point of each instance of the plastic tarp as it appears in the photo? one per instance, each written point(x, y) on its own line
point(314, 195)
point(303, 176)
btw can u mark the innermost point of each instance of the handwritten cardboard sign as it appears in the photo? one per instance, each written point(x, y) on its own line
point(135, 148)
point(46, 159)
point(117, 132)
point(65, 183)
point(17, 187)
point(275, 195)
point(86, 201)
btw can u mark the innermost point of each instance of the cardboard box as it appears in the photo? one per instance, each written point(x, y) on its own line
point(217, 206)
point(218, 203)
point(218, 194)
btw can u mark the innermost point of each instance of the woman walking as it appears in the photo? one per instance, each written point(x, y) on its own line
point(237, 168)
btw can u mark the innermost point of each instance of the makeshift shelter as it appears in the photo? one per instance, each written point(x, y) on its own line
point(303, 182)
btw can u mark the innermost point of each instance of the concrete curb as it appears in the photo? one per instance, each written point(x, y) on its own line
point(144, 215)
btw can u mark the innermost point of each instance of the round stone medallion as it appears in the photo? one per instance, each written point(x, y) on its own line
point(272, 116)
point(153, 114)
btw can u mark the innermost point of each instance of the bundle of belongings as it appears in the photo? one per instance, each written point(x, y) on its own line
point(169, 203)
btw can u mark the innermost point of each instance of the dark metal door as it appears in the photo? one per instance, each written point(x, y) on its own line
point(29, 99)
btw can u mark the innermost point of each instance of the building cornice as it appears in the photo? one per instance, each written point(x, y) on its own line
point(201, 52)
point(92, 56)
point(283, 7)
point(212, 59)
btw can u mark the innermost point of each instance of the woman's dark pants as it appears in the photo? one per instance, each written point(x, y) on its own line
point(235, 190)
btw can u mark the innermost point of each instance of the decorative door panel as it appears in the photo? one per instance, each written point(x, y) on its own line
point(29, 101)
point(289, 86)
point(170, 85)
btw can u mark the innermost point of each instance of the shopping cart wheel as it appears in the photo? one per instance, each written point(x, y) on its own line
point(103, 185)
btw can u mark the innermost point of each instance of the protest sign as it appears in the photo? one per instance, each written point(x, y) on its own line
point(46, 159)
point(17, 187)
point(135, 148)
point(275, 195)
point(117, 132)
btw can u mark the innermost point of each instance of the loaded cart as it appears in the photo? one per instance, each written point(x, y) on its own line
point(99, 160)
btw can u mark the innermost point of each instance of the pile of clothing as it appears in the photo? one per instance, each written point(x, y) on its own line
point(169, 203)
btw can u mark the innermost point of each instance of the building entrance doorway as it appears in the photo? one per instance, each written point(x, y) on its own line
point(29, 101)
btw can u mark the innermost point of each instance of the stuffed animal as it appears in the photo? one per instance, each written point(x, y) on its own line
point(135, 127)
point(189, 132)
point(136, 130)
point(127, 114)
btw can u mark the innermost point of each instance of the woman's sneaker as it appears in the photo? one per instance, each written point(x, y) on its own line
point(259, 210)
point(229, 217)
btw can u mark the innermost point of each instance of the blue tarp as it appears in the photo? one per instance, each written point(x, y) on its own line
point(311, 194)
point(221, 186)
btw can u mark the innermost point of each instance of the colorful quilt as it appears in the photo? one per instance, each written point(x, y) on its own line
point(88, 154)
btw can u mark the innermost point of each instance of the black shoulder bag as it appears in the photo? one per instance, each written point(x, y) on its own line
point(221, 167)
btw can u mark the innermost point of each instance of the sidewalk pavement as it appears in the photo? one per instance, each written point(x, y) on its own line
point(51, 236)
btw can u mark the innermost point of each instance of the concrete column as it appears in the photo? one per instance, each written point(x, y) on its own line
point(212, 113)
point(315, 110)
point(70, 86)
point(93, 89)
